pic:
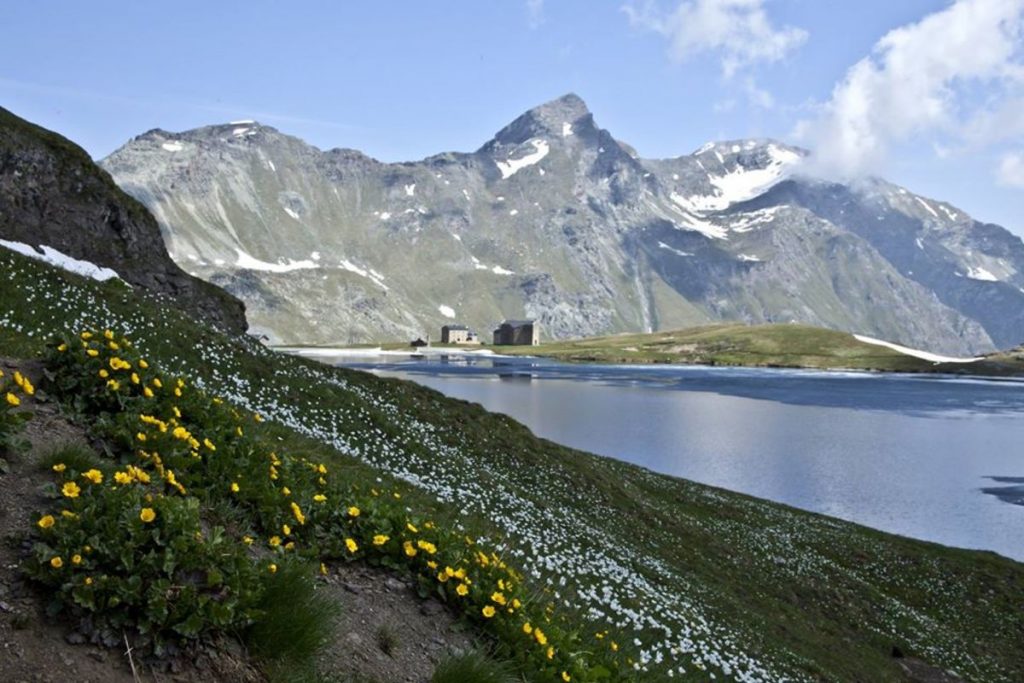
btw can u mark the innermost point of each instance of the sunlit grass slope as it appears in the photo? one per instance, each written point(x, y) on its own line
point(658, 577)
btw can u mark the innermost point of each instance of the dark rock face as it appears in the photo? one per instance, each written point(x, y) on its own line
point(52, 194)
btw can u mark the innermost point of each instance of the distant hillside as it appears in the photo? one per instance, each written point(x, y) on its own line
point(554, 218)
point(788, 346)
point(52, 195)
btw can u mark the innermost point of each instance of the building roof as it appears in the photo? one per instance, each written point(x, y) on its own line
point(519, 323)
point(454, 327)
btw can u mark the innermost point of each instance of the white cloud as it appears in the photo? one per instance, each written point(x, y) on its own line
point(950, 75)
point(738, 30)
point(535, 12)
point(1011, 170)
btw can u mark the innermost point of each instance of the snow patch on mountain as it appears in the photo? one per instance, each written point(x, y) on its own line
point(982, 274)
point(173, 146)
point(245, 261)
point(446, 311)
point(677, 252)
point(61, 260)
point(512, 166)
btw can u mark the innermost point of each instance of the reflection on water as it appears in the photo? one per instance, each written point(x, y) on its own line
point(913, 455)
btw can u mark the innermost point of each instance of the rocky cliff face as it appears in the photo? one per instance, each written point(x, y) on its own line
point(52, 194)
point(555, 219)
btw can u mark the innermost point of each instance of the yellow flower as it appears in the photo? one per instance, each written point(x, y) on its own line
point(527, 629)
point(462, 589)
point(319, 498)
point(113, 346)
point(275, 541)
point(234, 487)
point(247, 540)
point(257, 417)
point(113, 384)
point(177, 392)
point(409, 550)
point(27, 387)
point(539, 635)
point(88, 581)
point(297, 513)
point(140, 436)
point(68, 514)
point(109, 334)
point(286, 529)
point(95, 476)
point(12, 399)
point(86, 335)
point(432, 564)
point(499, 598)
point(62, 348)
point(209, 444)
point(143, 364)
point(76, 559)
point(59, 467)
point(103, 373)
point(147, 515)
point(135, 378)
point(411, 528)
point(147, 392)
point(426, 546)
point(70, 489)
point(351, 545)
point(488, 612)
point(323, 568)
point(160, 385)
point(56, 562)
point(46, 521)
point(272, 568)
point(442, 577)
point(353, 511)
point(93, 353)
point(551, 653)
point(286, 491)
point(566, 677)
point(614, 646)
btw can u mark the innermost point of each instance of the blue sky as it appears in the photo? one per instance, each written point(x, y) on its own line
point(933, 106)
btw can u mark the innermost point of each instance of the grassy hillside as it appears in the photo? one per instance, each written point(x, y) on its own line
point(788, 346)
point(656, 577)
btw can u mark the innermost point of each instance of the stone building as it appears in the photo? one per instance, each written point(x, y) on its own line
point(517, 333)
point(458, 334)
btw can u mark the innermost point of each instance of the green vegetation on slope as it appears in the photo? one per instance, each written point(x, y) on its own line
point(657, 573)
point(779, 345)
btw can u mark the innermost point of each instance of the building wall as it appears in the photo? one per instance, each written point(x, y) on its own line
point(517, 335)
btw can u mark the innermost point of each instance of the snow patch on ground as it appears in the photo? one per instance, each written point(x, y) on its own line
point(247, 262)
point(173, 146)
point(923, 355)
point(513, 212)
point(291, 213)
point(410, 190)
point(61, 260)
point(498, 270)
point(446, 311)
point(953, 215)
point(566, 129)
point(271, 165)
point(919, 243)
point(982, 274)
point(385, 215)
point(512, 166)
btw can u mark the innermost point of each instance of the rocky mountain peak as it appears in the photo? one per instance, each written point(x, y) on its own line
point(560, 118)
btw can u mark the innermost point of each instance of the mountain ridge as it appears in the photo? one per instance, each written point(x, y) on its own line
point(554, 218)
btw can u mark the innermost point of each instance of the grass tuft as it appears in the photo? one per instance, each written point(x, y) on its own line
point(387, 640)
point(473, 667)
point(74, 456)
point(296, 619)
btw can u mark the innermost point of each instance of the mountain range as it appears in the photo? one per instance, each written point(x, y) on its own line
point(556, 219)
